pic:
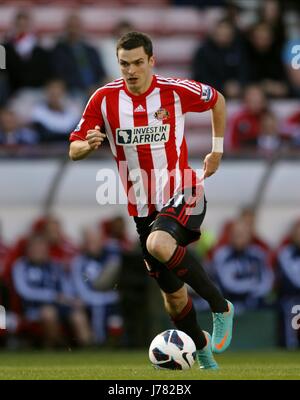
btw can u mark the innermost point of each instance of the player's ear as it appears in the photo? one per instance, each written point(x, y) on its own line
point(152, 61)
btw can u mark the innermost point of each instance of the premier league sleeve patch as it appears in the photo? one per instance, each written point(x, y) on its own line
point(207, 93)
point(78, 127)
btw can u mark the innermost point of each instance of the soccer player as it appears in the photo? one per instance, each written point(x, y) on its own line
point(142, 115)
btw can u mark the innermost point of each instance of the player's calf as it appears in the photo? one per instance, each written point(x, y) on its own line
point(175, 302)
point(183, 314)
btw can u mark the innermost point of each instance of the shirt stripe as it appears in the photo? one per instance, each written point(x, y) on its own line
point(137, 191)
point(158, 151)
point(109, 133)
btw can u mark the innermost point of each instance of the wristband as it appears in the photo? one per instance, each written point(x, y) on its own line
point(217, 144)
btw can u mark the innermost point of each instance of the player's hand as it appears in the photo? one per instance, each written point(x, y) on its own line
point(211, 163)
point(95, 137)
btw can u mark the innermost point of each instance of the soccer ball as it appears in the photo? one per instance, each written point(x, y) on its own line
point(172, 349)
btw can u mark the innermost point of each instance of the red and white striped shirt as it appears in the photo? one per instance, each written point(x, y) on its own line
point(146, 136)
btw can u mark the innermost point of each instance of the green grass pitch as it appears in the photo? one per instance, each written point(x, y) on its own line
point(119, 364)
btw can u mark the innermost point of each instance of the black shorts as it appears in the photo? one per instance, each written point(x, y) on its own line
point(182, 219)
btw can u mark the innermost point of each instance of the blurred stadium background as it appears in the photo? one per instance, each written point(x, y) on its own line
point(57, 53)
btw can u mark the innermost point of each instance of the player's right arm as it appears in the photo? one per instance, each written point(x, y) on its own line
point(80, 149)
point(89, 134)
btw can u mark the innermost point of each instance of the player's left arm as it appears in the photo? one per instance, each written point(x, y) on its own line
point(218, 118)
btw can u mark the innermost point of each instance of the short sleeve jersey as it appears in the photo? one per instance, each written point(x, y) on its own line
point(146, 136)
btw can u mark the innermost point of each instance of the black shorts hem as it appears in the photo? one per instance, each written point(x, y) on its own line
point(183, 235)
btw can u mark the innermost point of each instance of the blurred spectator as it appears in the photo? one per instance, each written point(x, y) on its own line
point(75, 61)
point(95, 274)
point(12, 321)
point(242, 269)
point(217, 62)
point(245, 126)
point(291, 129)
point(39, 282)
point(55, 117)
point(269, 139)
point(272, 13)
point(233, 13)
point(199, 3)
point(12, 132)
point(62, 250)
point(115, 228)
point(27, 63)
point(291, 62)
point(288, 285)
point(108, 49)
point(263, 62)
point(247, 216)
point(134, 289)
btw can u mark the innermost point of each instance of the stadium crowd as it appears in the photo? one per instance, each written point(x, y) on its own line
point(251, 64)
point(58, 293)
point(51, 286)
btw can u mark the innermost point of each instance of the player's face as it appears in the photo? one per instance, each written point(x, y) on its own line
point(136, 68)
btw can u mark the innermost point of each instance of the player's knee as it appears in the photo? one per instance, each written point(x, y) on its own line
point(161, 245)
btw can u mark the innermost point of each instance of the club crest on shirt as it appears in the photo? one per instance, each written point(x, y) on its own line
point(162, 114)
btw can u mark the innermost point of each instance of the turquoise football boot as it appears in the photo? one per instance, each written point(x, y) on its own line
point(205, 356)
point(222, 329)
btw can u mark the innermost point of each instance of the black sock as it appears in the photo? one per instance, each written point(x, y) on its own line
point(186, 322)
point(188, 268)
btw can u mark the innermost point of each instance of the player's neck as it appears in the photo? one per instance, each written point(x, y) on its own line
point(140, 91)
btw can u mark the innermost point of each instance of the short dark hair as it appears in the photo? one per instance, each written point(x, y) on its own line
point(132, 40)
